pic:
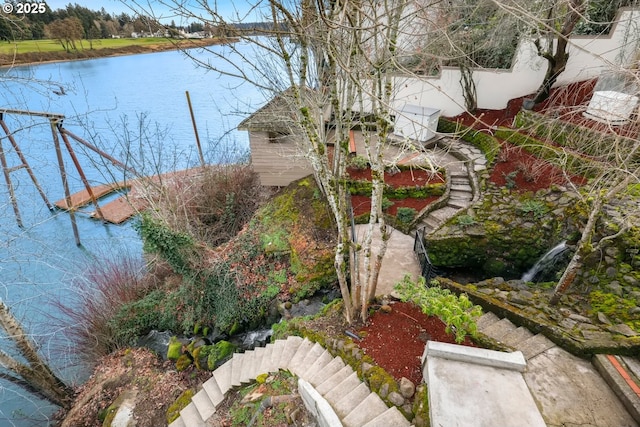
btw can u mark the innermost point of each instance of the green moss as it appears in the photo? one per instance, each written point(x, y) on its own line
point(614, 307)
point(173, 412)
point(175, 349)
point(218, 352)
point(183, 362)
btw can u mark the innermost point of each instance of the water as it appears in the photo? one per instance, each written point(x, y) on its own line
point(133, 107)
point(545, 262)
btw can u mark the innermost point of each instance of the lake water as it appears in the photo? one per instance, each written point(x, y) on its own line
point(133, 107)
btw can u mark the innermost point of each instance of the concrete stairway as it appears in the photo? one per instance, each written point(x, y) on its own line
point(352, 401)
point(568, 390)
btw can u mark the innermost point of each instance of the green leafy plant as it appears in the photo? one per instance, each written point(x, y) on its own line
point(406, 215)
point(458, 313)
point(510, 179)
point(465, 220)
point(386, 203)
point(535, 207)
point(359, 162)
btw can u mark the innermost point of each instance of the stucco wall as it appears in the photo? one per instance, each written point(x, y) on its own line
point(588, 57)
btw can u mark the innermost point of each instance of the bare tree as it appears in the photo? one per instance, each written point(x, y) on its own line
point(66, 31)
point(35, 376)
point(330, 64)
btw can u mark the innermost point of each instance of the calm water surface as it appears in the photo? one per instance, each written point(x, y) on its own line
point(133, 107)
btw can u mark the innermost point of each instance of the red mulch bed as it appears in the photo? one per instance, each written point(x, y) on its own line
point(396, 340)
point(533, 173)
point(404, 178)
point(362, 204)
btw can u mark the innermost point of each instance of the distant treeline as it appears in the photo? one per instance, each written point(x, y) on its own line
point(79, 22)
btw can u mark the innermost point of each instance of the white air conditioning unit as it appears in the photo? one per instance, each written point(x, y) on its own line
point(611, 107)
point(416, 122)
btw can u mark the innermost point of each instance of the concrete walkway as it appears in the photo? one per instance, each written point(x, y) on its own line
point(398, 260)
point(569, 391)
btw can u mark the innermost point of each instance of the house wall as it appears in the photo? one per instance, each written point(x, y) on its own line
point(588, 57)
point(277, 163)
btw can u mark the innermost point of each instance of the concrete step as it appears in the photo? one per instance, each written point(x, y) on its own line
point(301, 353)
point(460, 180)
point(350, 400)
point(212, 389)
point(266, 365)
point(619, 374)
point(334, 380)
point(259, 356)
point(334, 366)
point(460, 195)
point(205, 407)
point(459, 204)
point(512, 339)
point(276, 355)
point(486, 319)
point(223, 376)
point(248, 368)
point(535, 345)
point(290, 348)
point(390, 417)
point(191, 417)
point(367, 410)
point(177, 423)
point(430, 223)
point(499, 329)
point(444, 213)
point(633, 364)
point(236, 369)
point(334, 395)
point(465, 188)
point(319, 364)
point(305, 364)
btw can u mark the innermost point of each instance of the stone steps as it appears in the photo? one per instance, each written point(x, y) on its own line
point(461, 193)
point(517, 338)
point(337, 383)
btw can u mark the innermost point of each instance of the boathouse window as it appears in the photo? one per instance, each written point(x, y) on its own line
point(276, 137)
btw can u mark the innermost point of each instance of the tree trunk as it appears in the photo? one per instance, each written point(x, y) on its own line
point(557, 61)
point(37, 374)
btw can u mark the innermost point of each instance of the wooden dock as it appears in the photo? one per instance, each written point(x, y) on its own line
point(128, 205)
point(82, 198)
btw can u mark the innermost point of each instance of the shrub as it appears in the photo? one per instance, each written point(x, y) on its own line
point(458, 313)
point(465, 220)
point(211, 298)
point(386, 203)
point(535, 207)
point(101, 291)
point(406, 215)
point(359, 162)
point(213, 206)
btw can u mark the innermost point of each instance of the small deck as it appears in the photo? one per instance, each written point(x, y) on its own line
point(127, 205)
point(83, 198)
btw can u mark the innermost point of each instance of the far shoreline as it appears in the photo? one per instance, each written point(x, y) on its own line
point(8, 61)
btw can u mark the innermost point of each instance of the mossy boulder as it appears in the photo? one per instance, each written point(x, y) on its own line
point(211, 356)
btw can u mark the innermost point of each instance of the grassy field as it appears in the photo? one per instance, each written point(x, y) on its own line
point(33, 46)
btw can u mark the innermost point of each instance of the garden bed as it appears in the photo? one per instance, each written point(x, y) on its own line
point(520, 170)
point(402, 186)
